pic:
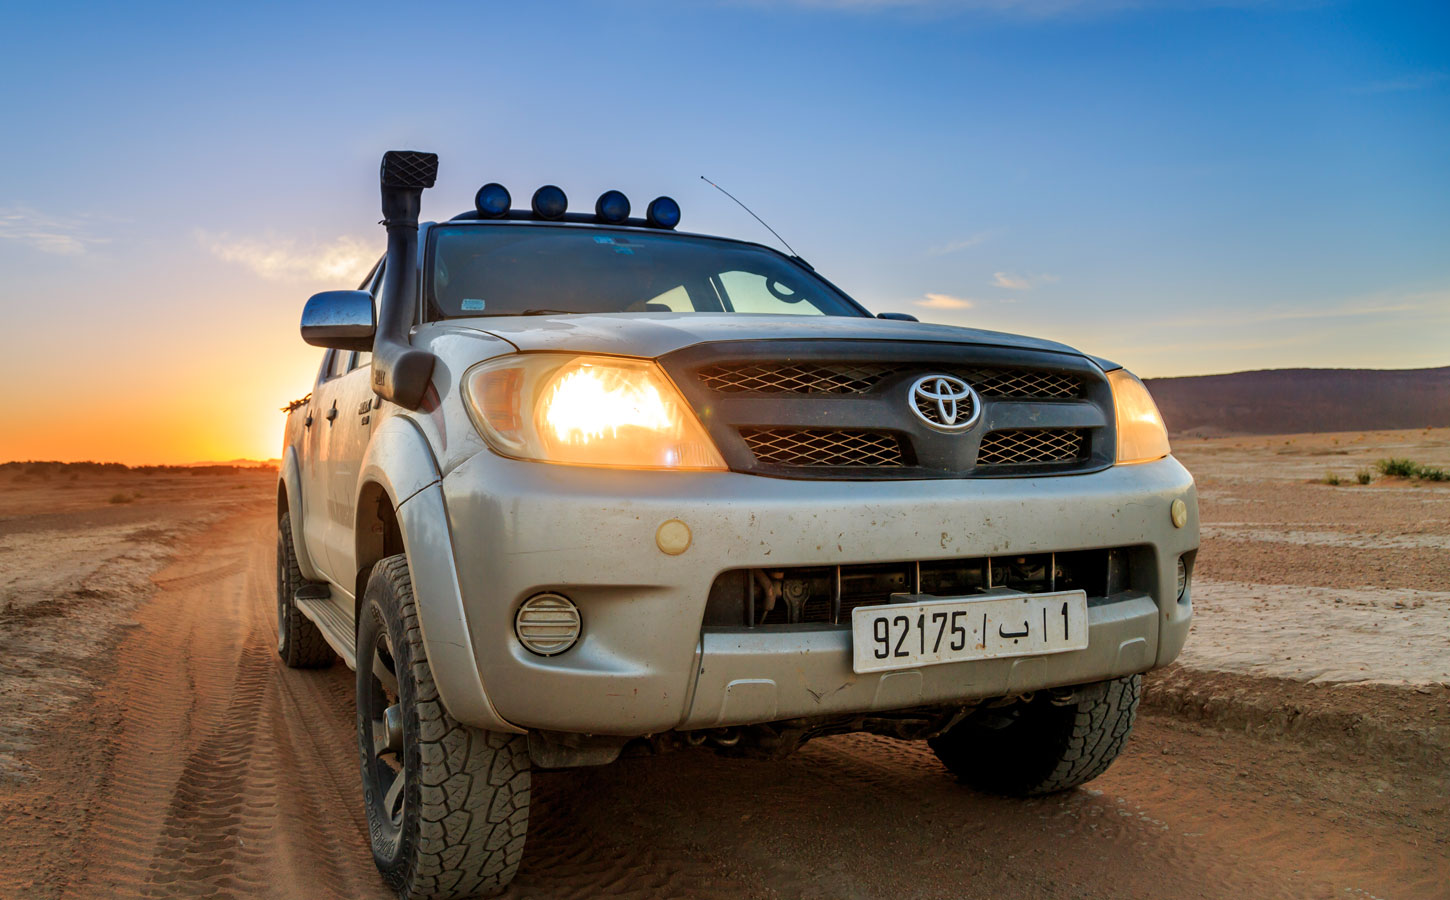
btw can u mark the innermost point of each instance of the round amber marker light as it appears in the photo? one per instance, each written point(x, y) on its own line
point(673, 537)
point(1179, 513)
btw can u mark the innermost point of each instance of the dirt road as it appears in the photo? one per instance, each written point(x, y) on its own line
point(199, 766)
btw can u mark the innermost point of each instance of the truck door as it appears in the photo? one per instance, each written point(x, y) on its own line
point(348, 440)
point(316, 463)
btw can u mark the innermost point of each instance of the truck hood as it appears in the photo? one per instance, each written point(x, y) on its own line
point(655, 334)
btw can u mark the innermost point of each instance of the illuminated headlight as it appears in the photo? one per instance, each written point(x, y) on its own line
point(547, 624)
point(586, 411)
point(1142, 437)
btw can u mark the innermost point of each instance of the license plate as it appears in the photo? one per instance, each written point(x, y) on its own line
point(925, 633)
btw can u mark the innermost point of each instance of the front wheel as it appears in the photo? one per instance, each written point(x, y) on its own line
point(1045, 744)
point(447, 804)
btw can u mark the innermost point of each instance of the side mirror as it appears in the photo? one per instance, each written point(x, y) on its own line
point(898, 317)
point(341, 320)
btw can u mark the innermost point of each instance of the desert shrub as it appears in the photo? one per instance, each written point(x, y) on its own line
point(120, 498)
point(1330, 478)
point(1408, 468)
point(1398, 467)
point(1364, 476)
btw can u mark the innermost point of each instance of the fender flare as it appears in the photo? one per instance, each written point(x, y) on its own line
point(399, 462)
point(290, 474)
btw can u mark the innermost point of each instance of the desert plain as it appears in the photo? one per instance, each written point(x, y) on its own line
point(152, 744)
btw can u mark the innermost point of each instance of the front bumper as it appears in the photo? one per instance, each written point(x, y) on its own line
point(644, 665)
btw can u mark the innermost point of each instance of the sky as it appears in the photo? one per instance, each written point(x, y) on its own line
point(1183, 187)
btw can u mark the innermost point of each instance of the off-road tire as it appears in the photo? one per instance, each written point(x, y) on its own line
point(1041, 747)
point(465, 799)
point(299, 642)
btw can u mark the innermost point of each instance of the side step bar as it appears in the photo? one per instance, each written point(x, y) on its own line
point(315, 601)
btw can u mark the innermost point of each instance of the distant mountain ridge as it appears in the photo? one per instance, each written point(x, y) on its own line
point(1292, 401)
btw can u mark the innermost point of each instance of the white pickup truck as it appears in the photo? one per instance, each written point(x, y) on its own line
point(569, 481)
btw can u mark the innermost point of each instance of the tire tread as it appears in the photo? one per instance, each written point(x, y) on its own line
point(472, 795)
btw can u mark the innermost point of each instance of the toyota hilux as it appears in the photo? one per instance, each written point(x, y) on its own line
point(570, 483)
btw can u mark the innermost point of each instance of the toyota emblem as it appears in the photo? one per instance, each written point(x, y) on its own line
point(945, 402)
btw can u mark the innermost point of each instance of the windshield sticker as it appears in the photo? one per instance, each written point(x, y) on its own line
point(625, 250)
point(603, 240)
point(470, 305)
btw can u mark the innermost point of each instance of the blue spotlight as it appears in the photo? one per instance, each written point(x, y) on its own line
point(550, 202)
point(492, 200)
point(612, 207)
point(663, 212)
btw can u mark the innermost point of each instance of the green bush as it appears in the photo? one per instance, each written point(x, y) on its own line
point(1364, 476)
point(1408, 468)
point(1330, 478)
point(1398, 468)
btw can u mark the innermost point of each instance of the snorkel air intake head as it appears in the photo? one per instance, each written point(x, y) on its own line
point(401, 372)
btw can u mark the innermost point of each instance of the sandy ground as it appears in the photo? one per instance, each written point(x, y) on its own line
point(155, 747)
point(1315, 582)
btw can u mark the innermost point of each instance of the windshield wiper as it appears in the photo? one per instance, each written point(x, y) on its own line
point(546, 312)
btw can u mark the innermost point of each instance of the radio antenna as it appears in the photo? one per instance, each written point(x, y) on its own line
point(752, 215)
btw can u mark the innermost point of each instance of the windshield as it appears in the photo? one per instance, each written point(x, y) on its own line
point(509, 270)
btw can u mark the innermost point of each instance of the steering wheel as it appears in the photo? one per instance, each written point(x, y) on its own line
point(780, 292)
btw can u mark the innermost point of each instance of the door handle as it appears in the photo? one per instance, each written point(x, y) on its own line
point(332, 413)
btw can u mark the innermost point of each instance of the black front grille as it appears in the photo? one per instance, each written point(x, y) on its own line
point(845, 409)
point(859, 378)
point(1033, 447)
point(827, 594)
point(835, 448)
point(1024, 384)
point(790, 378)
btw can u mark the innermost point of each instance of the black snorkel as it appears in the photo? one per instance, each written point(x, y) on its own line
point(401, 372)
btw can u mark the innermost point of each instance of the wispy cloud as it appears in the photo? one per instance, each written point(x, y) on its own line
point(1417, 82)
point(61, 235)
point(287, 259)
point(1374, 307)
point(1014, 282)
point(944, 301)
point(958, 245)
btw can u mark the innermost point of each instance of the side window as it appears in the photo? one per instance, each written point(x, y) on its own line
point(375, 278)
point(335, 363)
point(751, 293)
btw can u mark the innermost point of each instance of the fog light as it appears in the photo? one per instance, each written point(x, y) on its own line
point(547, 624)
point(1182, 578)
point(1178, 512)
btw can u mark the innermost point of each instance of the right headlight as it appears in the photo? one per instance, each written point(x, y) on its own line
point(586, 411)
point(1142, 436)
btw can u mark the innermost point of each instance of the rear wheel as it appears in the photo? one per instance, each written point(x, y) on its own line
point(447, 804)
point(1045, 744)
point(299, 642)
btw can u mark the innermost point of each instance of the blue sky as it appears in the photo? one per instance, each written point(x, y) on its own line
point(1184, 187)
